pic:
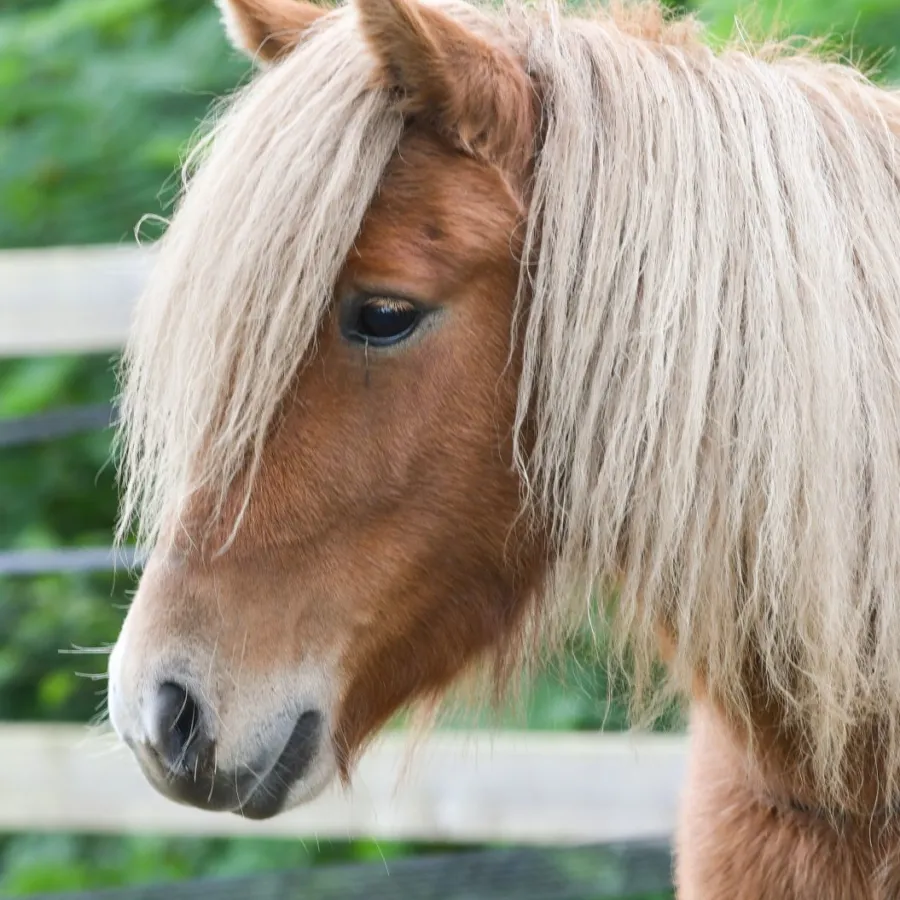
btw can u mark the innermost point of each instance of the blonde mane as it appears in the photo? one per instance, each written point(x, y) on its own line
point(711, 355)
point(712, 359)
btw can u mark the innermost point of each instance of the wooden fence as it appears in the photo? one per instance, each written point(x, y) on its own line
point(68, 300)
point(528, 787)
point(469, 787)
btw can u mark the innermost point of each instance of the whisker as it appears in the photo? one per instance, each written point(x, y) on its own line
point(212, 783)
point(75, 650)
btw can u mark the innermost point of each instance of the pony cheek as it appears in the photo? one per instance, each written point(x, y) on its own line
point(462, 627)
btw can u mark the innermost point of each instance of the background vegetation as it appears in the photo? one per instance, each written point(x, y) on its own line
point(97, 99)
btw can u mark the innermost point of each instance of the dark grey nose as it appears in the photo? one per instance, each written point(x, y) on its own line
point(179, 757)
point(176, 730)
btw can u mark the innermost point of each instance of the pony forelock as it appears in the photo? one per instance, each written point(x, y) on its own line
point(247, 270)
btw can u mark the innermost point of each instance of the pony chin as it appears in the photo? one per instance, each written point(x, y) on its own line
point(323, 773)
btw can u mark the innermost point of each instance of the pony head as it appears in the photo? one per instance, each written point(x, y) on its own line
point(319, 404)
point(467, 316)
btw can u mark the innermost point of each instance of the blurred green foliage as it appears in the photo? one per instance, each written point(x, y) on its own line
point(97, 101)
point(31, 864)
point(97, 98)
point(59, 493)
point(866, 32)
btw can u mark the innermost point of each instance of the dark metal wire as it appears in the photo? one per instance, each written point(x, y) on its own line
point(76, 560)
point(56, 424)
point(586, 873)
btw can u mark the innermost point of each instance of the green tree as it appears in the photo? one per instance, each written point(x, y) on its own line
point(97, 99)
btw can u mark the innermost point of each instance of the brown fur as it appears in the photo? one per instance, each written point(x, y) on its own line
point(475, 91)
point(268, 29)
point(446, 580)
point(741, 838)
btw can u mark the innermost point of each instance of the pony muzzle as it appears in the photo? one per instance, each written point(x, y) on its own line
point(208, 734)
point(175, 741)
point(177, 751)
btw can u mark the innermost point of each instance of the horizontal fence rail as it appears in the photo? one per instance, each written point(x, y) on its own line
point(68, 299)
point(54, 425)
point(464, 787)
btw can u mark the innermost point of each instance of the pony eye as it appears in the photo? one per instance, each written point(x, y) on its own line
point(384, 321)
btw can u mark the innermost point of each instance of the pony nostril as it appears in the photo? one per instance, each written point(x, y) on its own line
point(175, 730)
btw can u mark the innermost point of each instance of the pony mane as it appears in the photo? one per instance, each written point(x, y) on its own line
point(710, 320)
point(711, 366)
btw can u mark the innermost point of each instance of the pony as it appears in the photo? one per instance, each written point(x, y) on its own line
point(469, 316)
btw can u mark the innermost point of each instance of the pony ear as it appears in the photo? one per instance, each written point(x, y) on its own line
point(475, 92)
point(266, 30)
